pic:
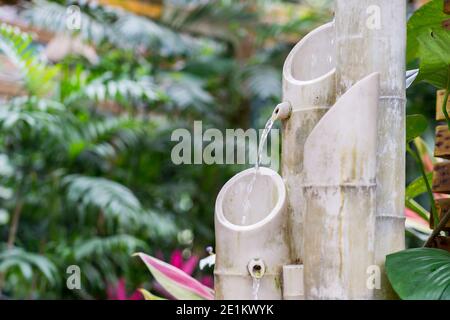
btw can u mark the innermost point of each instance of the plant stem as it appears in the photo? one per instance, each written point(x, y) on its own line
point(438, 229)
point(416, 156)
point(14, 224)
point(12, 233)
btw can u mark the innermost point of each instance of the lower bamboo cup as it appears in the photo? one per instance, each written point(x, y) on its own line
point(251, 246)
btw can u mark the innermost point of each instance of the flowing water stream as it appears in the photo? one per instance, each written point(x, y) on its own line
point(255, 288)
point(251, 185)
point(249, 190)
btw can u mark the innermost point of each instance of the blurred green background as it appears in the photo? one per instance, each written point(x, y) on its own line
point(86, 118)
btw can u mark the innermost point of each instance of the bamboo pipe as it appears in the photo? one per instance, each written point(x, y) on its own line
point(339, 177)
point(251, 253)
point(309, 88)
point(371, 37)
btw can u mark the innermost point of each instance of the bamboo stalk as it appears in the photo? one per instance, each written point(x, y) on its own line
point(371, 37)
point(340, 169)
point(308, 85)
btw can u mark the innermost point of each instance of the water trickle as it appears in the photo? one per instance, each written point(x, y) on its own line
point(262, 142)
point(251, 185)
point(255, 288)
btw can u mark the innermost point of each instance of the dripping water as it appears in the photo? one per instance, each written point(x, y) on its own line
point(251, 185)
point(255, 288)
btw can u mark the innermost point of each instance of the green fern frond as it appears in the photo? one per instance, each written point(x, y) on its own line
point(115, 200)
point(186, 91)
point(158, 226)
point(121, 90)
point(144, 32)
point(38, 114)
point(121, 29)
point(263, 81)
point(185, 13)
point(38, 77)
point(26, 262)
point(106, 137)
point(108, 245)
point(52, 16)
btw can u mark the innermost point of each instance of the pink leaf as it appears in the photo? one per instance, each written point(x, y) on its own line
point(136, 295)
point(190, 265)
point(119, 292)
point(415, 217)
point(175, 281)
point(207, 281)
point(176, 259)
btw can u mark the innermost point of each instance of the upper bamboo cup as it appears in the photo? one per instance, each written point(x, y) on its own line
point(309, 87)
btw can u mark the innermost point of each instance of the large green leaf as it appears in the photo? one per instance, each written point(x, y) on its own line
point(430, 16)
point(435, 57)
point(420, 273)
point(416, 124)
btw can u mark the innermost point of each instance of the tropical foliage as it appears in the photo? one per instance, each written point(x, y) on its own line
point(423, 273)
point(86, 177)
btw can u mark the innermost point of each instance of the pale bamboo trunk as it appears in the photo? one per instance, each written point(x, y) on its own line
point(339, 178)
point(363, 48)
point(309, 87)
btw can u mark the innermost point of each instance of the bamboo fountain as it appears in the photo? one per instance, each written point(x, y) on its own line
point(336, 210)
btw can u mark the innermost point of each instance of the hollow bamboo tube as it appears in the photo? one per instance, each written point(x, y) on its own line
point(371, 37)
point(254, 246)
point(309, 87)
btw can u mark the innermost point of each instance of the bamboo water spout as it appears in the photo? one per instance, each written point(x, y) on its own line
point(250, 255)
